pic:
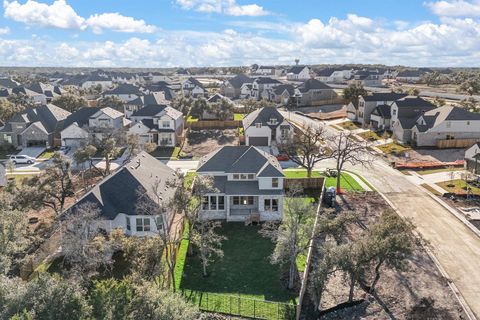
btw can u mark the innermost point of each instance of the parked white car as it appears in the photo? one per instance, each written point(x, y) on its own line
point(22, 159)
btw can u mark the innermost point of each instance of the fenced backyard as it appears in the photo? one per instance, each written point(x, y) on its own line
point(213, 124)
point(240, 306)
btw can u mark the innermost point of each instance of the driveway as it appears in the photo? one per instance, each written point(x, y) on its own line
point(455, 246)
point(33, 152)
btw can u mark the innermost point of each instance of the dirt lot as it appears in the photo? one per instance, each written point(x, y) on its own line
point(202, 142)
point(398, 291)
point(430, 155)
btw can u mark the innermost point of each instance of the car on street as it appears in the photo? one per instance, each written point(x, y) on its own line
point(22, 159)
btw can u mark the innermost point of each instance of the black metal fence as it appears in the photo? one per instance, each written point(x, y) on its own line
point(241, 306)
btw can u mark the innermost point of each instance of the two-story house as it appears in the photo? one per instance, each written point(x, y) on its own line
point(314, 92)
point(445, 123)
point(34, 127)
point(368, 103)
point(232, 88)
point(247, 181)
point(153, 98)
point(120, 195)
point(158, 124)
point(266, 127)
point(404, 113)
point(298, 73)
point(193, 88)
point(262, 88)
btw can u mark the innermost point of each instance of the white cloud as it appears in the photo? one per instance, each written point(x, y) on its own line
point(5, 30)
point(228, 7)
point(61, 15)
point(117, 22)
point(455, 8)
point(354, 39)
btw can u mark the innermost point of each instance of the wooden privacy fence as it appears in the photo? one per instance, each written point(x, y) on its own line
point(306, 183)
point(213, 124)
point(456, 143)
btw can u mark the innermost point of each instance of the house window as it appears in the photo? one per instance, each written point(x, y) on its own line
point(166, 124)
point(394, 112)
point(258, 125)
point(450, 137)
point(244, 176)
point(213, 203)
point(250, 176)
point(271, 205)
point(284, 133)
point(143, 224)
point(159, 222)
point(448, 124)
point(274, 182)
point(129, 226)
point(243, 201)
point(468, 123)
point(236, 177)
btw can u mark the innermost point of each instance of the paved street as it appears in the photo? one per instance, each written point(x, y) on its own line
point(455, 246)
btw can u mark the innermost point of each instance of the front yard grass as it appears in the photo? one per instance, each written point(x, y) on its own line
point(429, 188)
point(166, 152)
point(458, 187)
point(238, 116)
point(393, 148)
point(299, 173)
point(47, 154)
point(347, 183)
point(349, 125)
point(370, 136)
point(245, 270)
point(192, 119)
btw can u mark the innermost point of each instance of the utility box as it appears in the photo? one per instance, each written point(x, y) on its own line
point(329, 197)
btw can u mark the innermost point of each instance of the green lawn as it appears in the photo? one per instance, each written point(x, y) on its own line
point(191, 119)
point(393, 148)
point(189, 176)
point(244, 270)
point(347, 183)
point(47, 154)
point(429, 188)
point(166, 152)
point(458, 187)
point(363, 180)
point(299, 173)
point(19, 177)
point(238, 116)
point(370, 136)
point(349, 125)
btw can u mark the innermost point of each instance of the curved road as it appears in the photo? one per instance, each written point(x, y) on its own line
point(454, 245)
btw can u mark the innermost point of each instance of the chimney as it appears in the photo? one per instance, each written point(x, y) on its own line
point(297, 61)
point(138, 164)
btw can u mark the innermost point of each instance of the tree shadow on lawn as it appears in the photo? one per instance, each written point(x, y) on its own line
point(245, 268)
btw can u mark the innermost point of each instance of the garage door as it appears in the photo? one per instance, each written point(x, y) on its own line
point(258, 141)
point(73, 143)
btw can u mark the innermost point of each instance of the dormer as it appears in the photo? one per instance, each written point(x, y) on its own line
point(273, 121)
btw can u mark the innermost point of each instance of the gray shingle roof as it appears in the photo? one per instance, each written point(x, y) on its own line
point(248, 188)
point(238, 81)
point(437, 116)
point(124, 89)
point(149, 111)
point(296, 69)
point(80, 116)
point(240, 159)
point(118, 193)
point(383, 111)
point(263, 116)
point(384, 96)
point(313, 84)
point(50, 116)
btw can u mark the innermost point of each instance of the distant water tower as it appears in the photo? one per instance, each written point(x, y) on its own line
point(297, 61)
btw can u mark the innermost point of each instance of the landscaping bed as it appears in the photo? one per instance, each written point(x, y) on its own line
point(349, 125)
point(166, 152)
point(393, 148)
point(459, 187)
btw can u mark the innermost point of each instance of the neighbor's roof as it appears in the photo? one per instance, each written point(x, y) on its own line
point(384, 96)
point(296, 69)
point(313, 84)
point(48, 115)
point(112, 113)
point(149, 111)
point(241, 159)
point(239, 80)
point(437, 116)
point(263, 116)
point(383, 110)
point(80, 116)
point(124, 89)
point(264, 80)
point(119, 193)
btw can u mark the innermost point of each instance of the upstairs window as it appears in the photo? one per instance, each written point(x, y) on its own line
point(143, 224)
point(129, 226)
point(274, 182)
point(166, 124)
point(258, 125)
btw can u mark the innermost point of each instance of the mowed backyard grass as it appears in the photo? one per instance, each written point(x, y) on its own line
point(244, 270)
point(347, 181)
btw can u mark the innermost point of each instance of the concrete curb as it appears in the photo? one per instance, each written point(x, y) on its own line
point(453, 287)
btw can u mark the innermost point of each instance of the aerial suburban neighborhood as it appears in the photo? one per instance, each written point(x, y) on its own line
point(225, 160)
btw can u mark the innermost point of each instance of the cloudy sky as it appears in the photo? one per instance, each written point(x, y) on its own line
point(167, 33)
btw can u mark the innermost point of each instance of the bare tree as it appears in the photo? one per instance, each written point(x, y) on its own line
point(307, 149)
point(50, 188)
point(348, 150)
point(84, 249)
point(293, 235)
point(208, 242)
